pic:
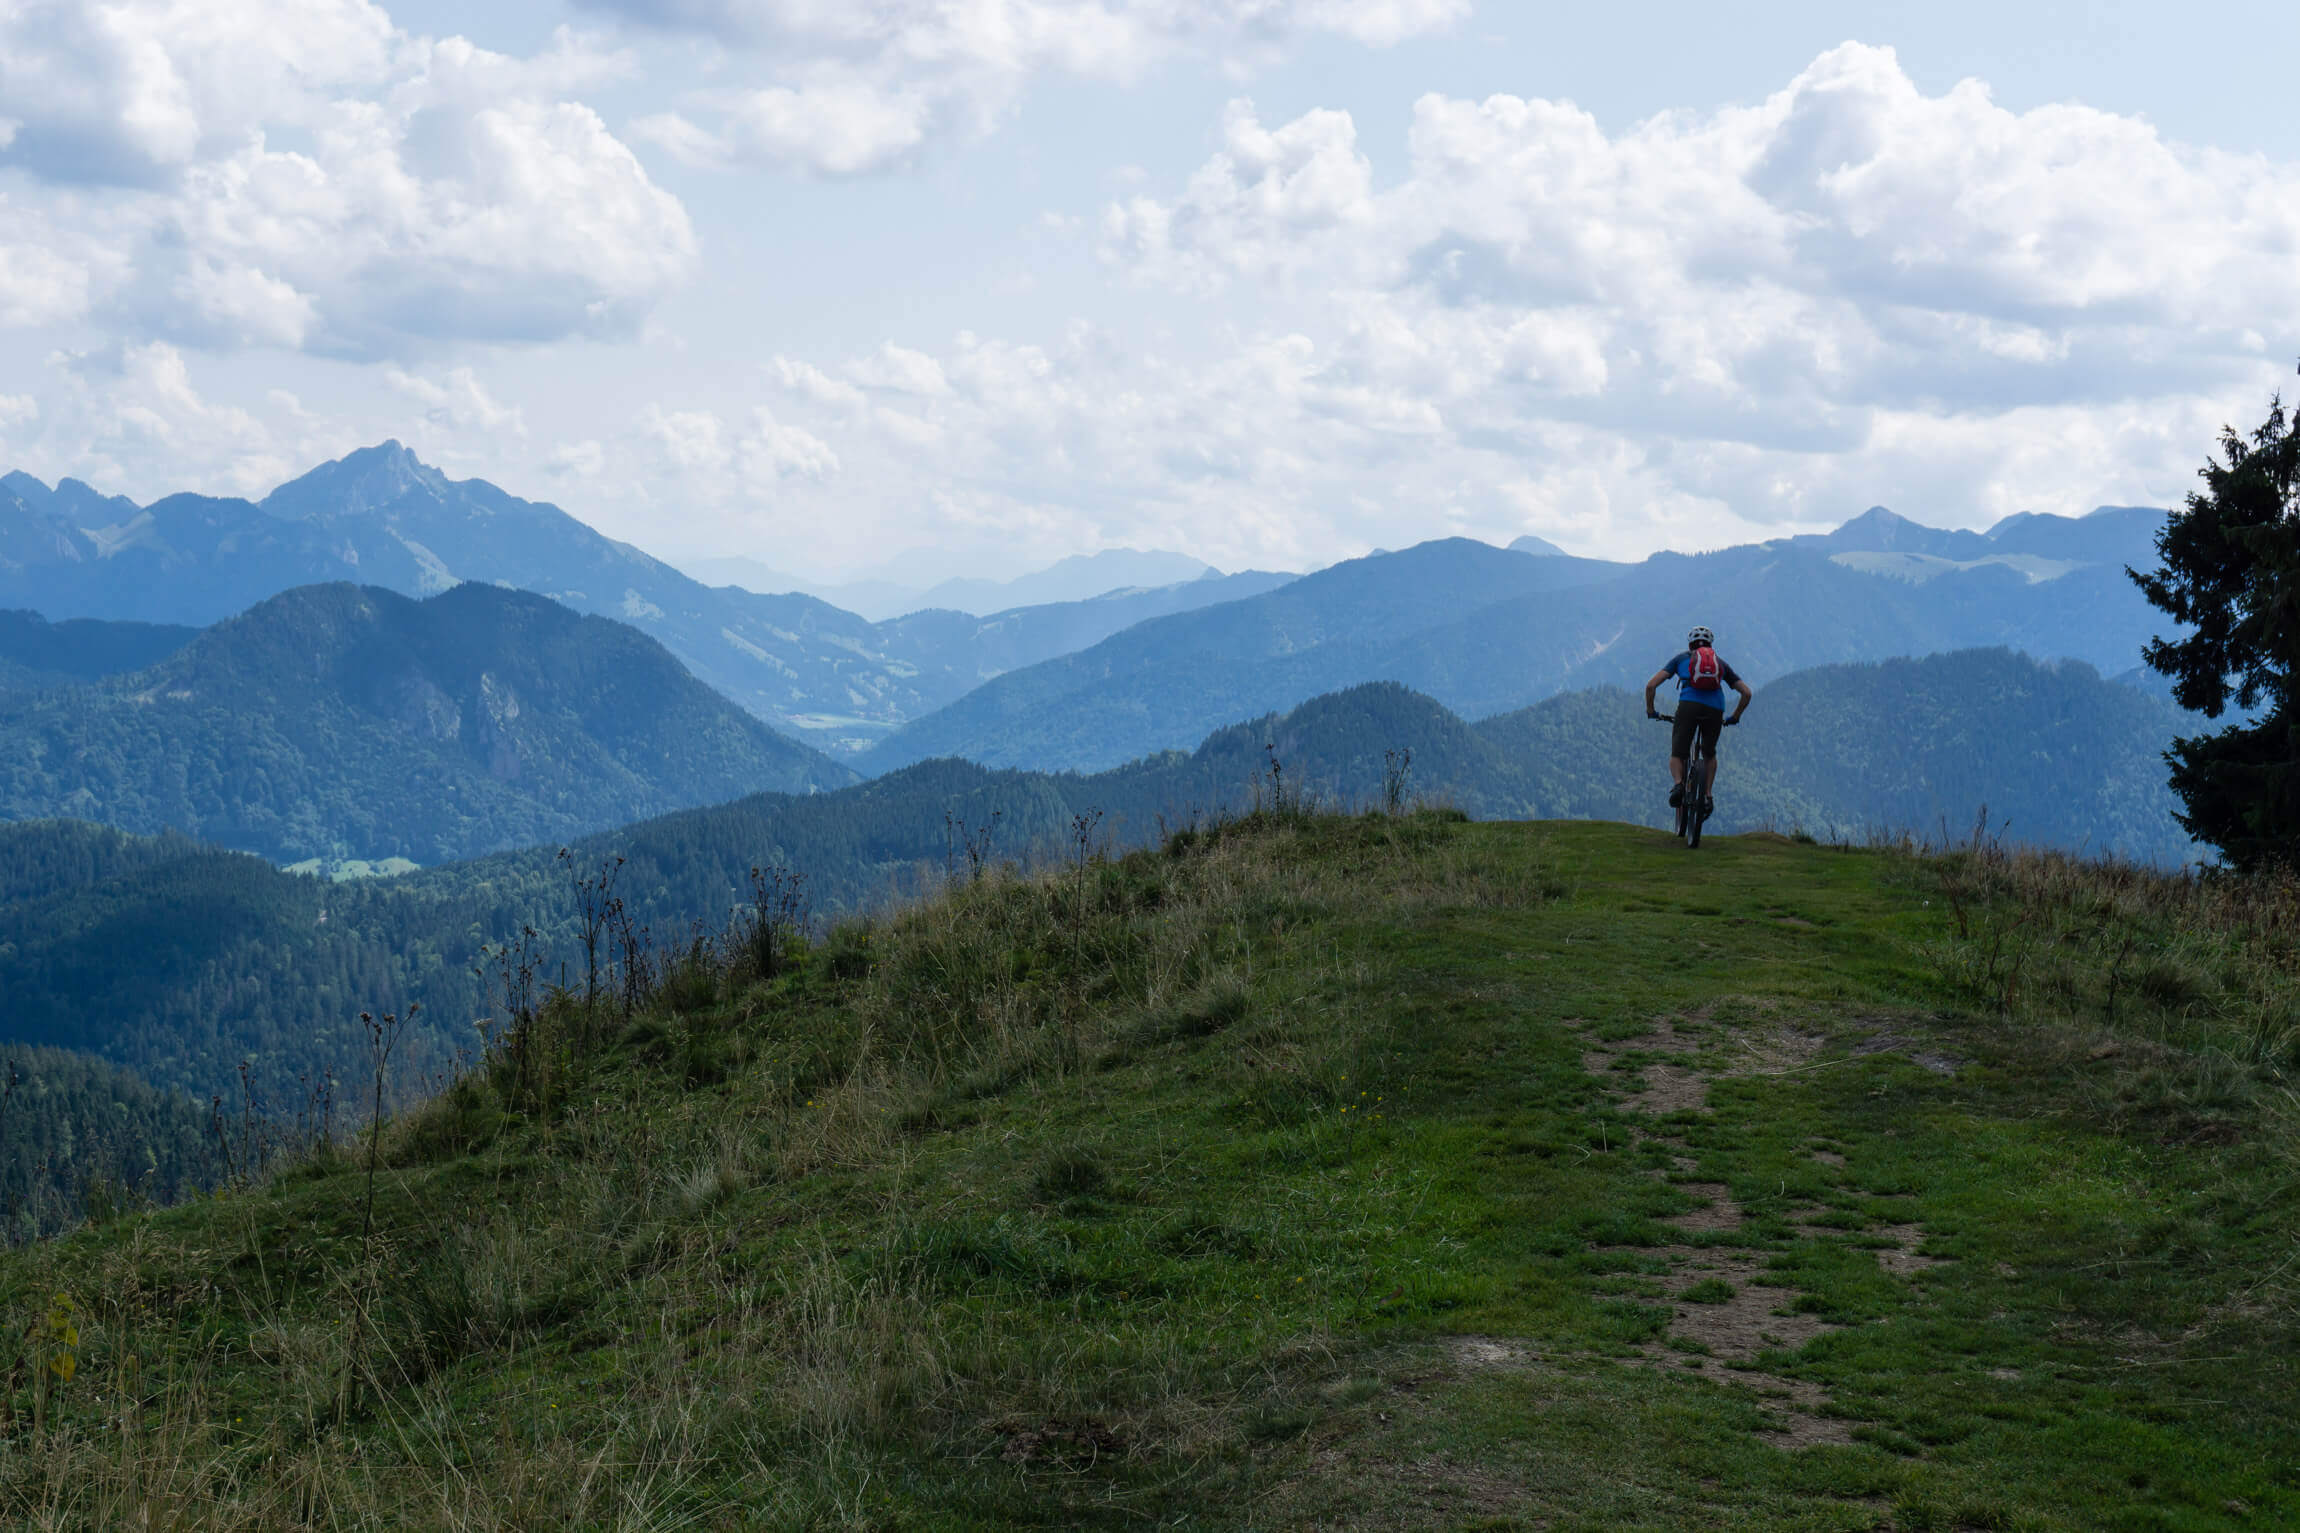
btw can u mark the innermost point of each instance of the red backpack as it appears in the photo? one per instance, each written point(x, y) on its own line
point(1702, 673)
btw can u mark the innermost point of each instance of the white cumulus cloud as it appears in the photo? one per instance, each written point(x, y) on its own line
point(1701, 329)
point(299, 173)
point(459, 401)
point(846, 87)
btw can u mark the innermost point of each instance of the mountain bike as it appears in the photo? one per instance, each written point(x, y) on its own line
point(1694, 808)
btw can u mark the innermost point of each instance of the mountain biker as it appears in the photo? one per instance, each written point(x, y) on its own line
point(1701, 684)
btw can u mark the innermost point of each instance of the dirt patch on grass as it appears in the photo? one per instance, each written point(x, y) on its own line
point(1902, 1258)
point(1773, 1050)
point(1725, 1313)
point(1912, 1049)
point(1724, 1300)
point(1722, 1213)
point(1486, 1352)
point(1726, 1310)
point(1668, 1087)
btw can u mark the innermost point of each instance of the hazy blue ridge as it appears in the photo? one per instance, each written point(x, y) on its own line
point(1485, 631)
point(347, 721)
point(1163, 684)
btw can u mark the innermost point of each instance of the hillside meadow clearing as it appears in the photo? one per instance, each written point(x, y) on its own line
point(1309, 1171)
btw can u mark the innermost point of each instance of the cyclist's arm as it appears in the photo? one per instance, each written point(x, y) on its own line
point(1747, 697)
point(1654, 686)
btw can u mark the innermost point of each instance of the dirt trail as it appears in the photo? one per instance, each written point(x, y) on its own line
point(1726, 1309)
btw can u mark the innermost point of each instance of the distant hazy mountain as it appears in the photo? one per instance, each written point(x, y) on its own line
point(382, 517)
point(1166, 683)
point(35, 653)
point(77, 503)
point(1529, 544)
point(348, 721)
point(1485, 630)
point(1082, 577)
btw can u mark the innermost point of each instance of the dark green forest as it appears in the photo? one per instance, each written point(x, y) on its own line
point(180, 961)
point(36, 654)
point(79, 1136)
point(347, 722)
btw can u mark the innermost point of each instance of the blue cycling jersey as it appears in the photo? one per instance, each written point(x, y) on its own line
point(1707, 697)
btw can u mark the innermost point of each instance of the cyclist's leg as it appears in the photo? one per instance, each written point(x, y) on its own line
point(1680, 753)
point(1709, 729)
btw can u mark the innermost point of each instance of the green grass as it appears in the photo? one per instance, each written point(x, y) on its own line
point(1319, 1172)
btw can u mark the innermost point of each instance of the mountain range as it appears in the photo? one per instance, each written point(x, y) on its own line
point(342, 721)
point(1485, 630)
point(1085, 685)
point(383, 518)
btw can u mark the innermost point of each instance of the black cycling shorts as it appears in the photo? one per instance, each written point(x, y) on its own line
point(1692, 719)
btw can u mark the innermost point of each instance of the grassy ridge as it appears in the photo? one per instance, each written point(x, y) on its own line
point(1387, 1172)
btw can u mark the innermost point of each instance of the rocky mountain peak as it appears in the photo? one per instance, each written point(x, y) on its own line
point(368, 479)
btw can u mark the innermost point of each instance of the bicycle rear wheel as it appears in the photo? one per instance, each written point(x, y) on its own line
point(1697, 805)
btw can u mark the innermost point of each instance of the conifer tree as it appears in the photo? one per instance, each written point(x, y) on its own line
point(2231, 571)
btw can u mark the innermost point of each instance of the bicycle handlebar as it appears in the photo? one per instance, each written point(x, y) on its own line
point(1671, 718)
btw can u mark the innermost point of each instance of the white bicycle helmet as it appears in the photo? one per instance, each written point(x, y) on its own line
point(1700, 637)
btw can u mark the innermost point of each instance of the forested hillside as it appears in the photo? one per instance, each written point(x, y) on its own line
point(79, 1136)
point(179, 961)
point(35, 653)
point(2058, 755)
point(345, 721)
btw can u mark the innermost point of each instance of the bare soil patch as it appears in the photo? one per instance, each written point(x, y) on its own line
point(1773, 1051)
point(1902, 1258)
point(1668, 1088)
point(1486, 1352)
point(1722, 1212)
point(1911, 1049)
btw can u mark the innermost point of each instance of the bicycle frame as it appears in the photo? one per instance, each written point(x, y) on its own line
point(1695, 804)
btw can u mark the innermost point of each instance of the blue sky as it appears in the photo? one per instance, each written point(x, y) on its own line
point(1272, 282)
